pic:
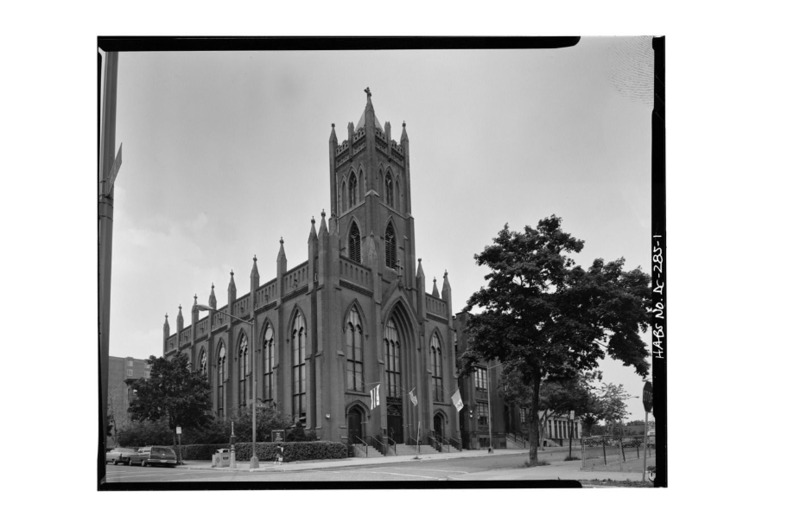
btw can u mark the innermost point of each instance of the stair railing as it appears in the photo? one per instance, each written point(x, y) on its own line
point(362, 444)
point(377, 444)
point(452, 442)
point(391, 445)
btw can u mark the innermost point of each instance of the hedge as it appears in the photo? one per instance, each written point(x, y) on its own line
point(292, 452)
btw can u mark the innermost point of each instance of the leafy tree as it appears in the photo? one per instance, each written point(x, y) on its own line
point(142, 433)
point(555, 397)
point(551, 317)
point(173, 392)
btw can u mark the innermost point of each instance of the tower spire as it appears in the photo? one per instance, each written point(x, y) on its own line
point(212, 298)
point(231, 293)
point(323, 228)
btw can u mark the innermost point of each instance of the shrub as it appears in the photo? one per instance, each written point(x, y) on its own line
point(142, 433)
point(267, 452)
point(293, 451)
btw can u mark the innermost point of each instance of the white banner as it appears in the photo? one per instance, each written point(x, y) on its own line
point(457, 400)
point(374, 397)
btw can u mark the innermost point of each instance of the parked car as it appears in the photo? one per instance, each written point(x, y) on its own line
point(119, 455)
point(153, 456)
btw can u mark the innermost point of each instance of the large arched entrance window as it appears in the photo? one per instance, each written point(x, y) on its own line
point(394, 403)
point(355, 351)
point(222, 376)
point(244, 372)
point(436, 369)
point(269, 363)
point(299, 368)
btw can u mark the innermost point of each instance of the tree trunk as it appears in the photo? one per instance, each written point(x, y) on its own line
point(534, 431)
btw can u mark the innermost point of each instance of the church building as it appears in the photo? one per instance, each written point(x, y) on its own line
point(349, 343)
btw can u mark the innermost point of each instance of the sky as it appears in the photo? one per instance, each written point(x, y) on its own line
point(225, 153)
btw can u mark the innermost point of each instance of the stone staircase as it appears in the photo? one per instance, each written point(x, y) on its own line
point(407, 449)
point(512, 444)
point(366, 451)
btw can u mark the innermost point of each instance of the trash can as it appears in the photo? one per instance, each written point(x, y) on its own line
point(223, 457)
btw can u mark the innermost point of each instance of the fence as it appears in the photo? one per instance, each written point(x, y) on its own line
point(614, 453)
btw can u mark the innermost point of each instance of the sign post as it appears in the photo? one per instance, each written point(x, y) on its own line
point(180, 458)
point(571, 420)
point(647, 400)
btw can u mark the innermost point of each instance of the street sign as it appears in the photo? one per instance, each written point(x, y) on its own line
point(647, 397)
point(572, 415)
point(177, 430)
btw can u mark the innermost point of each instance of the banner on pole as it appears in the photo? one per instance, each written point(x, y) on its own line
point(412, 397)
point(374, 397)
point(457, 400)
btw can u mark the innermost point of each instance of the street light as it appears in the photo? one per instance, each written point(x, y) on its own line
point(489, 395)
point(254, 458)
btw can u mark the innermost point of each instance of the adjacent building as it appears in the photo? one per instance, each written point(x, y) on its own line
point(121, 373)
point(350, 342)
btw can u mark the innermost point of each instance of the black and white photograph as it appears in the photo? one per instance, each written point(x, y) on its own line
point(381, 263)
point(403, 255)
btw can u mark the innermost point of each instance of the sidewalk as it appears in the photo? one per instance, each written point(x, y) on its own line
point(557, 469)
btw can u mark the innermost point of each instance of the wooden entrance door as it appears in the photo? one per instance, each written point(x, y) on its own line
point(394, 419)
point(438, 427)
point(355, 429)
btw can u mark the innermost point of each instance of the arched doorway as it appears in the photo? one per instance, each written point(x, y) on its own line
point(438, 427)
point(355, 425)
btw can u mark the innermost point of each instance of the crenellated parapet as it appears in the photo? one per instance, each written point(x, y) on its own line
point(350, 148)
point(435, 307)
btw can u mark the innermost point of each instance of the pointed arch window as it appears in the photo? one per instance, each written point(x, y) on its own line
point(354, 243)
point(222, 376)
point(436, 369)
point(389, 189)
point(391, 246)
point(355, 351)
point(269, 363)
point(299, 368)
point(203, 367)
point(343, 198)
point(352, 190)
point(391, 344)
point(245, 384)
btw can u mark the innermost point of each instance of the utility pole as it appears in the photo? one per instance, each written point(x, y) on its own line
point(108, 168)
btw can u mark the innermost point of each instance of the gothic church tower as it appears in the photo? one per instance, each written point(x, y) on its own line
point(370, 194)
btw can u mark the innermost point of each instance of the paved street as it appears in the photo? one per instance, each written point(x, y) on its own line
point(426, 471)
point(464, 467)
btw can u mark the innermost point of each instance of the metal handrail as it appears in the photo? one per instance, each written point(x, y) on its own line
point(452, 442)
point(434, 442)
point(392, 445)
point(379, 445)
point(518, 439)
point(364, 443)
